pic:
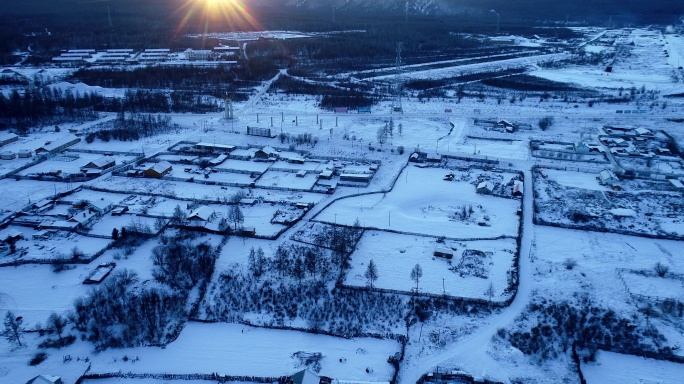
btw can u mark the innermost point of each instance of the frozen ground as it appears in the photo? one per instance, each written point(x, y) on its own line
point(615, 368)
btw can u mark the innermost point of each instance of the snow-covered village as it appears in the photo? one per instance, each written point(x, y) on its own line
point(338, 202)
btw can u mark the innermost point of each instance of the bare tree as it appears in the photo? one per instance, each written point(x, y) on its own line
point(371, 272)
point(416, 274)
point(56, 324)
point(490, 292)
point(179, 216)
point(236, 216)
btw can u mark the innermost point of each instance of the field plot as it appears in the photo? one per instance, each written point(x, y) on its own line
point(433, 211)
point(7, 166)
point(615, 368)
point(244, 166)
point(234, 349)
point(57, 245)
point(514, 149)
point(70, 163)
point(475, 264)
point(150, 381)
point(652, 286)
point(290, 180)
point(42, 291)
point(105, 225)
point(594, 256)
point(590, 206)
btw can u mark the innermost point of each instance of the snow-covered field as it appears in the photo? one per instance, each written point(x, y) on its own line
point(615, 368)
point(395, 256)
point(235, 349)
point(430, 211)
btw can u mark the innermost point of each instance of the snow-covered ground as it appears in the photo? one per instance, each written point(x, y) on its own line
point(615, 368)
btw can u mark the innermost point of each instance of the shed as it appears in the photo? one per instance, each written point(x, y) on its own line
point(607, 177)
point(247, 201)
point(358, 177)
point(266, 153)
point(118, 211)
point(676, 184)
point(446, 253)
point(433, 158)
point(25, 153)
point(158, 170)
point(58, 145)
point(248, 231)
point(485, 188)
point(11, 234)
point(301, 173)
point(517, 188)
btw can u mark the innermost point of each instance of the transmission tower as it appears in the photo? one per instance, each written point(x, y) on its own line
point(228, 112)
point(396, 100)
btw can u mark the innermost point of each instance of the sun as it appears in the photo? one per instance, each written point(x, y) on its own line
point(216, 14)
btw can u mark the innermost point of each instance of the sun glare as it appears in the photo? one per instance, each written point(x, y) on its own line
point(216, 14)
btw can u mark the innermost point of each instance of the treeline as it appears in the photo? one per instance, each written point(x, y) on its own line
point(48, 106)
point(45, 107)
point(330, 96)
point(215, 81)
point(120, 313)
point(133, 128)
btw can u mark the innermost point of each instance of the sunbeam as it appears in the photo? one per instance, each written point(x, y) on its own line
point(215, 14)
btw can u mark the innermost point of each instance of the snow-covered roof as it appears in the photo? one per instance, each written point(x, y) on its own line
point(623, 212)
point(101, 204)
point(160, 167)
point(45, 379)
point(642, 131)
point(305, 377)
point(485, 185)
point(202, 213)
point(58, 144)
point(10, 233)
point(6, 136)
point(102, 162)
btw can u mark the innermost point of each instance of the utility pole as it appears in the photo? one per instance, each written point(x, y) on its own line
point(396, 101)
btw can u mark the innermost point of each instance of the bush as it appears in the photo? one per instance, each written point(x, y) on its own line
point(545, 123)
point(570, 263)
point(400, 149)
point(661, 269)
point(38, 358)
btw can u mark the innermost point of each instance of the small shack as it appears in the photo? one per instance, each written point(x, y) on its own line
point(445, 253)
point(485, 188)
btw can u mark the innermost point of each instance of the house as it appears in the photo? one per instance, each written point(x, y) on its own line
point(305, 377)
point(82, 218)
point(101, 206)
point(201, 216)
point(158, 170)
point(102, 163)
point(517, 188)
point(643, 132)
point(58, 145)
point(485, 188)
point(6, 138)
point(10, 234)
point(326, 174)
point(7, 155)
point(622, 212)
point(25, 153)
point(607, 177)
point(45, 379)
point(10, 75)
point(43, 234)
point(266, 153)
point(243, 154)
point(446, 253)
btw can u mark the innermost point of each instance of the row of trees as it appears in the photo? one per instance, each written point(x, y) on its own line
point(133, 127)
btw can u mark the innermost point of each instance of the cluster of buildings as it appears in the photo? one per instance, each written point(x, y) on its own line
point(636, 142)
point(77, 57)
